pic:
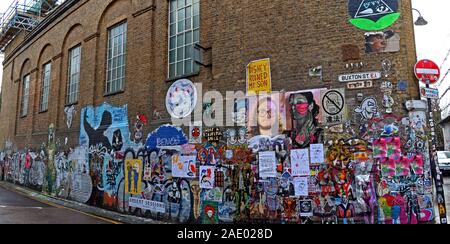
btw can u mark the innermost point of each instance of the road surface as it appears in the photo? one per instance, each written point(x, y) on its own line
point(19, 209)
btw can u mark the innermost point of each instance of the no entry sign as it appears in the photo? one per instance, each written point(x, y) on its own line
point(427, 71)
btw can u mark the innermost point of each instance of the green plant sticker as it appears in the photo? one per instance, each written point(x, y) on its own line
point(373, 15)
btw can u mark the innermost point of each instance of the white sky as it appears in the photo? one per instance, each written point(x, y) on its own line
point(433, 40)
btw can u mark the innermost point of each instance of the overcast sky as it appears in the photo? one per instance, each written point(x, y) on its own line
point(433, 40)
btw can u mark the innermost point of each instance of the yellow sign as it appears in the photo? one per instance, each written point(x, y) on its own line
point(259, 78)
point(133, 177)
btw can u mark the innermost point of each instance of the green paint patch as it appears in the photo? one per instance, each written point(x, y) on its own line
point(370, 25)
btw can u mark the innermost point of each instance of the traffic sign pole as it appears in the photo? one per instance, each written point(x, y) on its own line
point(429, 73)
point(435, 171)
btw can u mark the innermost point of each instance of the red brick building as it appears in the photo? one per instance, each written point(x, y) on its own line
point(129, 52)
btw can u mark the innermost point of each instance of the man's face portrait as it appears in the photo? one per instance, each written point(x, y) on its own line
point(267, 114)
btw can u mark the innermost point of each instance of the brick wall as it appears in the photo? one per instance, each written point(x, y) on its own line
point(295, 35)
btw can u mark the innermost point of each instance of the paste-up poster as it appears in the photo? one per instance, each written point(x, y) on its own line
point(184, 166)
point(417, 165)
point(267, 165)
point(133, 177)
point(402, 167)
point(388, 168)
point(393, 147)
point(210, 212)
point(300, 162)
point(380, 148)
point(317, 154)
point(301, 187)
point(207, 177)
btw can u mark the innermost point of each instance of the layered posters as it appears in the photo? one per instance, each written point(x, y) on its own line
point(133, 176)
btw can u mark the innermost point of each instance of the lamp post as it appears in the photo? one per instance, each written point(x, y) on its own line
point(421, 20)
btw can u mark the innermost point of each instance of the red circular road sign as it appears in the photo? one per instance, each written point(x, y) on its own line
point(427, 71)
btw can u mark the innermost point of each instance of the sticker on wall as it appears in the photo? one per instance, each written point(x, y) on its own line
point(259, 77)
point(196, 133)
point(184, 166)
point(213, 135)
point(306, 208)
point(207, 177)
point(373, 15)
point(181, 99)
point(133, 177)
point(360, 85)
point(402, 85)
point(316, 72)
point(382, 42)
point(334, 107)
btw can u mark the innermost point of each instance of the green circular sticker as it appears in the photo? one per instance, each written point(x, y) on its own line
point(373, 15)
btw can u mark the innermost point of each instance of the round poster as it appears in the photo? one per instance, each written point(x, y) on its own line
point(373, 15)
point(181, 99)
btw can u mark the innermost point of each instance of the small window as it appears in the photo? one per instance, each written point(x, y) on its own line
point(117, 49)
point(74, 75)
point(45, 87)
point(25, 96)
point(184, 33)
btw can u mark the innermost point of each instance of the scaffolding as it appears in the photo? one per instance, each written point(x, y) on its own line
point(24, 15)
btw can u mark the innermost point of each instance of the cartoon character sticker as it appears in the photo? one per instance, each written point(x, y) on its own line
point(368, 109)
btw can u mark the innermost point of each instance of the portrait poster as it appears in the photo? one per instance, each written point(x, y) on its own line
point(382, 42)
point(267, 115)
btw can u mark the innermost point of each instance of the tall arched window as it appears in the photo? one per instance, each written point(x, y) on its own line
point(184, 32)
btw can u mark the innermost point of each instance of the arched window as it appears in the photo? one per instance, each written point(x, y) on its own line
point(184, 32)
point(45, 87)
point(117, 50)
point(74, 74)
point(25, 95)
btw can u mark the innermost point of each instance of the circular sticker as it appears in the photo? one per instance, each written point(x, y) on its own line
point(181, 99)
point(373, 15)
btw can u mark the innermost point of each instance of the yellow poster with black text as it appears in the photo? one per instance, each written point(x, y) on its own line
point(259, 78)
point(133, 177)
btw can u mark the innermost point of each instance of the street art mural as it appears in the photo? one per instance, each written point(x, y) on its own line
point(373, 169)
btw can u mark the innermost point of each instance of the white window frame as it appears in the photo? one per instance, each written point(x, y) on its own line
point(74, 71)
point(116, 58)
point(45, 86)
point(181, 40)
point(25, 95)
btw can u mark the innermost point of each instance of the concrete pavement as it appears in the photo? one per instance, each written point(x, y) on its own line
point(16, 208)
point(18, 195)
